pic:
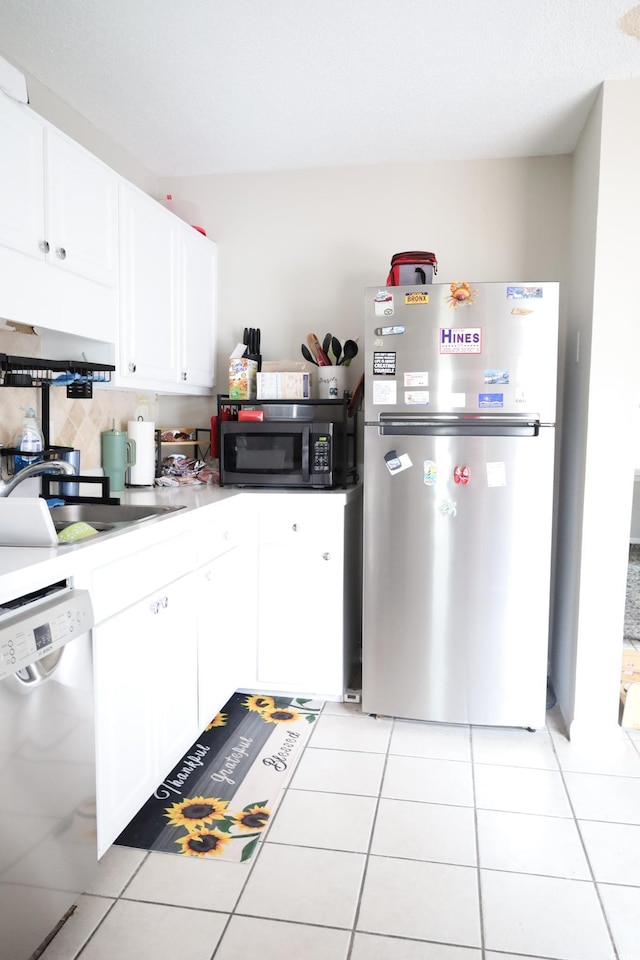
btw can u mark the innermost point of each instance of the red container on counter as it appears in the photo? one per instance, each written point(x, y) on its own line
point(250, 415)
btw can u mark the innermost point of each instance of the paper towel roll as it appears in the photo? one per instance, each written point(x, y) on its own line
point(144, 472)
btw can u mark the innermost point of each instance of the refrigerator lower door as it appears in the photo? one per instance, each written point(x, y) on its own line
point(457, 576)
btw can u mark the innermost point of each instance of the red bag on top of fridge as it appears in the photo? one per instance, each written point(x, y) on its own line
point(412, 267)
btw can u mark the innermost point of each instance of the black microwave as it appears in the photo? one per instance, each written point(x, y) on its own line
point(281, 453)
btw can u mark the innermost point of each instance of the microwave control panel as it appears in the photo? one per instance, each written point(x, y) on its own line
point(321, 453)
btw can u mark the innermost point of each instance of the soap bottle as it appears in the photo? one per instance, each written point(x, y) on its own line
point(30, 441)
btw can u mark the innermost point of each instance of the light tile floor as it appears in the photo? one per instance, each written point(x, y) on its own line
point(399, 840)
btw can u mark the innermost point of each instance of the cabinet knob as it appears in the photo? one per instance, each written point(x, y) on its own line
point(61, 253)
point(326, 556)
point(184, 374)
point(132, 367)
point(155, 607)
point(164, 602)
point(294, 527)
point(44, 246)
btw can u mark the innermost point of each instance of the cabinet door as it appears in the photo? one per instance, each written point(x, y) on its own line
point(21, 179)
point(60, 214)
point(198, 309)
point(220, 646)
point(146, 701)
point(174, 671)
point(300, 598)
point(227, 554)
point(148, 292)
point(81, 210)
point(125, 742)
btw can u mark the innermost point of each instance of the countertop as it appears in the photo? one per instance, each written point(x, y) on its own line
point(23, 569)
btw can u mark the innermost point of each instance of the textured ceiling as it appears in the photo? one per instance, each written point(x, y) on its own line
point(208, 86)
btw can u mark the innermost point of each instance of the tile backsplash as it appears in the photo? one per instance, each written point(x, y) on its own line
point(74, 423)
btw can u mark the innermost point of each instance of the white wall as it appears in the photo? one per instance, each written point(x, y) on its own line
point(65, 118)
point(576, 365)
point(297, 249)
point(600, 411)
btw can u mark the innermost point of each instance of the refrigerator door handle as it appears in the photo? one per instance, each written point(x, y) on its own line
point(478, 427)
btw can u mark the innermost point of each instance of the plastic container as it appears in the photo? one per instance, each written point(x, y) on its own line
point(183, 209)
point(30, 441)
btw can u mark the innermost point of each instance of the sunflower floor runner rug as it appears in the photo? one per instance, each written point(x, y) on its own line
point(218, 800)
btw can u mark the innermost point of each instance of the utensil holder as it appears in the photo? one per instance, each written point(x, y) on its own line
point(332, 382)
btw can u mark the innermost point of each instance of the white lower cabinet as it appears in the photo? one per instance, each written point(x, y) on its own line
point(146, 700)
point(219, 655)
point(226, 607)
point(308, 595)
point(264, 595)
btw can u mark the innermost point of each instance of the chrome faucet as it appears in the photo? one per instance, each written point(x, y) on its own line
point(32, 470)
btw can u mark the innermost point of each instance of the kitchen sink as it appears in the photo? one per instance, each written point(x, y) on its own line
point(97, 525)
point(107, 517)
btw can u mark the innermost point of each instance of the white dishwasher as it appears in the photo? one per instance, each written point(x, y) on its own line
point(47, 763)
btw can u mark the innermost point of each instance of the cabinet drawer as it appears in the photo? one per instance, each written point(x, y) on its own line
point(217, 538)
point(291, 525)
point(117, 585)
point(233, 525)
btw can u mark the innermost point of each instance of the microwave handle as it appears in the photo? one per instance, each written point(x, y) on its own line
point(306, 443)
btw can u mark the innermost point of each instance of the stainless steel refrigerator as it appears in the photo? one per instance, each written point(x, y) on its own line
point(460, 407)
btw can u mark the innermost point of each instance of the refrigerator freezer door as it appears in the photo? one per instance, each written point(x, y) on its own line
point(495, 351)
point(456, 577)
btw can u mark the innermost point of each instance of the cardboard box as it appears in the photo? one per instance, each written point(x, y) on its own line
point(630, 700)
point(287, 385)
point(287, 366)
point(242, 378)
point(630, 665)
point(630, 688)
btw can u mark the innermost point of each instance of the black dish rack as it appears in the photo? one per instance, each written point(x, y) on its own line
point(78, 376)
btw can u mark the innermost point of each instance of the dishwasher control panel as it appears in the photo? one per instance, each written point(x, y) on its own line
point(34, 626)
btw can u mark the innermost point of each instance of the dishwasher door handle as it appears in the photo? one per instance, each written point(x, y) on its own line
point(38, 672)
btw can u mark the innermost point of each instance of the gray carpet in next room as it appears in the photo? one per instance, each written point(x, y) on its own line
point(632, 605)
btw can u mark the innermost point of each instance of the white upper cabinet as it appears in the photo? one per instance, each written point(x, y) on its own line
point(58, 229)
point(84, 252)
point(148, 339)
point(21, 180)
point(81, 207)
point(167, 300)
point(198, 327)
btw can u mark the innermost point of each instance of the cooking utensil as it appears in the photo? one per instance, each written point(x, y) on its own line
point(326, 343)
point(316, 348)
point(336, 348)
point(350, 351)
point(251, 340)
point(306, 353)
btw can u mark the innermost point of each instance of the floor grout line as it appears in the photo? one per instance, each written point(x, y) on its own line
point(367, 854)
